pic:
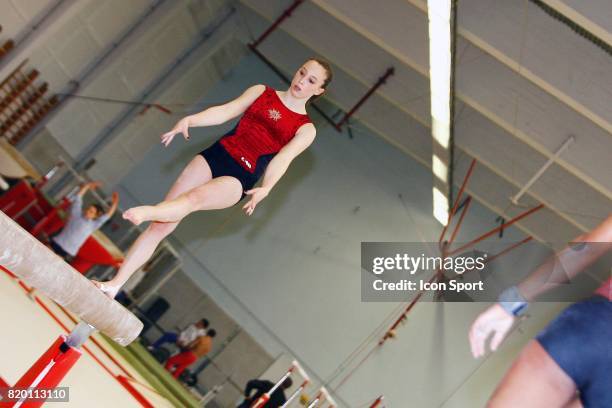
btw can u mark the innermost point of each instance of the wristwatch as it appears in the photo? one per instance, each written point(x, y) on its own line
point(513, 302)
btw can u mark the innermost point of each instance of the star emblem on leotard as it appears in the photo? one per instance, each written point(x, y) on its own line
point(274, 114)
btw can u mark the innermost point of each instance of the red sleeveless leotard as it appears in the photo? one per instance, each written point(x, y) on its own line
point(266, 126)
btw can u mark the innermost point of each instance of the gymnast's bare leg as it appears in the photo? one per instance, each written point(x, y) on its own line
point(196, 190)
point(194, 186)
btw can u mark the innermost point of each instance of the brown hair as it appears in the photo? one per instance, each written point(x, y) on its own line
point(329, 74)
point(99, 209)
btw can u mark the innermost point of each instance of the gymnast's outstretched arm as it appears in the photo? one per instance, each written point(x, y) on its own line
point(214, 115)
point(279, 165)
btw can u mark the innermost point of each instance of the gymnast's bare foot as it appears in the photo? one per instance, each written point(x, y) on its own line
point(135, 215)
point(107, 288)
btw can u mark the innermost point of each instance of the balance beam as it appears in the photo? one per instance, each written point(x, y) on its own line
point(42, 269)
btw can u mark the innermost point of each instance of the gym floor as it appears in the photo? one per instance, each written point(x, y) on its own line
point(92, 382)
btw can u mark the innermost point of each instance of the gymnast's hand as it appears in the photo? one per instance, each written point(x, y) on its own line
point(495, 320)
point(257, 194)
point(182, 126)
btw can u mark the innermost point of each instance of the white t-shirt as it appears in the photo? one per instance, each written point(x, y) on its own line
point(190, 334)
point(78, 228)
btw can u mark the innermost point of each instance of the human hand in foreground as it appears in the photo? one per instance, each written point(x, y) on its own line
point(495, 320)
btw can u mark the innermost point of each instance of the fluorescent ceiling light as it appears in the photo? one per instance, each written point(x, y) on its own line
point(439, 13)
point(440, 206)
point(440, 169)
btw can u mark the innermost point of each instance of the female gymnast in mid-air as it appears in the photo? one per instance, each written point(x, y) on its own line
point(273, 131)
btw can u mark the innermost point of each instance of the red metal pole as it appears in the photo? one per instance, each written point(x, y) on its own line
point(449, 253)
point(505, 251)
point(378, 84)
point(132, 390)
point(458, 199)
point(495, 230)
point(408, 308)
point(47, 371)
point(295, 394)
point(458, 226)
point(263, 400)
point(56, 373)
point(94, 341)
point(438, 273)
point(286, 14)
point(378, 401)
point(510, 248)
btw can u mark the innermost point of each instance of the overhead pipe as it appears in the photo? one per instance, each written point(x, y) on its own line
point(458, 199)
point(382, 80)
point(122, 119)
point(390, 332)
point(87, 73)
point(464, 211)
point(495, 230)
point(539, 173)
point(286, 14)
point(445, 250)
point(24, 37)
point(378, 401)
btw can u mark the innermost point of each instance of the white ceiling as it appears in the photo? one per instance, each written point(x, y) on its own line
point(525, 82)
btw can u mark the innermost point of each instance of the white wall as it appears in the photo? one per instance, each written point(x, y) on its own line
point(76, 34)
point(131, 143)
point(84, 31)
point(17, 15)
point(126, 75)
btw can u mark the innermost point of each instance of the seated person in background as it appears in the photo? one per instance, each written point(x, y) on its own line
point(277, 398)
point(195, 350)
point(81, 224)
point(186, 337)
